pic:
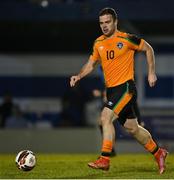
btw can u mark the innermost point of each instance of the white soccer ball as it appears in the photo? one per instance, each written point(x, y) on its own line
point(25, 160)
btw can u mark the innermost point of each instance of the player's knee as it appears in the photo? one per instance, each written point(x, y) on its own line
point(103, 119)
point(106, 116)
point(133, 130)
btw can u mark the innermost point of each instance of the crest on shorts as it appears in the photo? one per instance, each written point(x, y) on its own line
point(120, 45)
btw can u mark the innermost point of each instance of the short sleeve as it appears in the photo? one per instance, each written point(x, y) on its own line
point(95, 56)
point(135, 42)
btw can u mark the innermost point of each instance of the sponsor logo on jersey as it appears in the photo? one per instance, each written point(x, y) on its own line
point(101, 47)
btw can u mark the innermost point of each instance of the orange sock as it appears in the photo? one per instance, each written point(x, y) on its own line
point(151, 146)
point(106, 148)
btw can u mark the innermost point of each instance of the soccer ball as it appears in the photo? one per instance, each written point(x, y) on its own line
point(25, 160)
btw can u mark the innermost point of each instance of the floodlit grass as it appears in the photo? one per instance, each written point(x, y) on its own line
point(74, 166)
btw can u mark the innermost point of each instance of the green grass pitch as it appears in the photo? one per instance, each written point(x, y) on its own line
point(74, 166)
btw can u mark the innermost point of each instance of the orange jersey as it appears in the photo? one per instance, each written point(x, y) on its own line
point(116, 55)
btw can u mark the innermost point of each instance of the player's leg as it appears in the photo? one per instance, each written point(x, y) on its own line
point(144, 138)
point(113, 153)
point(104, 160)
point(117, 98)
point(141, 134)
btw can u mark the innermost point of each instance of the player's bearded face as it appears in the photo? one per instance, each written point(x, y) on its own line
point(107, 24)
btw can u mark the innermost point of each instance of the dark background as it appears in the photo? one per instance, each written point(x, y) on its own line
point(72, 26)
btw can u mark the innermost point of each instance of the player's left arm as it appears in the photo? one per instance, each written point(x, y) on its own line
point(147, 48)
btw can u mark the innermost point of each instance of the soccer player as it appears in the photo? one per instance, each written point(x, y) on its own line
point(114, 50)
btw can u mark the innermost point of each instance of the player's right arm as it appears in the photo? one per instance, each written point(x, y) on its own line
point(86, 69)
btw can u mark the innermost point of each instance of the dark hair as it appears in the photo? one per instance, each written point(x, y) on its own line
point(110, 11)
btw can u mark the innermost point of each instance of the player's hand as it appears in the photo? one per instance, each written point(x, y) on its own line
point(74, 80)
point(152, 79)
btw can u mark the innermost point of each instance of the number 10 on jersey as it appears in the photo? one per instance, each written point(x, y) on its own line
point(110, 54)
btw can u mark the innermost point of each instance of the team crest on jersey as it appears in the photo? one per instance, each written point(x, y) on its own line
point(119, 45)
